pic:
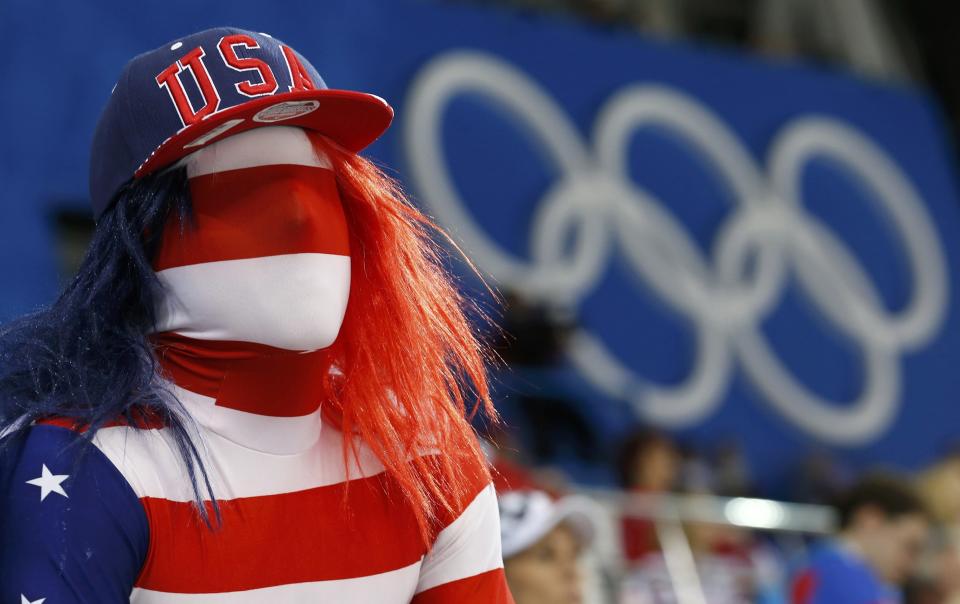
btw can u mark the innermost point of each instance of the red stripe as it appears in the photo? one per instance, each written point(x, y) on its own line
point(802, 590)
point(320, 534)
point(143, 418)
point(339, 531)
point(246, 376)
point(486, 588)
point(256, 212)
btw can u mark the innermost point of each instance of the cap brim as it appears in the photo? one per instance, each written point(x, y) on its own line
point(578, 513)
point(574, 511)
point(352, 119)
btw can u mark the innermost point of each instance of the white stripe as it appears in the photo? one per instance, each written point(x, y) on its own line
point(263, 146)
point(394, 587)
point(468, 547)
point(264, 433)
point(151, 463)
point(289, 301)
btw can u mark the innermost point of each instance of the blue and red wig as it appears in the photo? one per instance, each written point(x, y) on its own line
point(410, 365)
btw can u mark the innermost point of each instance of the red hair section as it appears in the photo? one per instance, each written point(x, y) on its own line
point(413, 368)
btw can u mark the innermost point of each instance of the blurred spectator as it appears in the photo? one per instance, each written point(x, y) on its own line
point(649, 463)
point(867, 36)
point(696, 473)
point(857, 33)
point(509, 472)
point(532, 341)
point(821, 479)
point(939, 486)
point(532, 334)
point(883, 531)
point(730, 566)
point(722, 561)
point(732, 477)
point(512, 470)
point(542, 542)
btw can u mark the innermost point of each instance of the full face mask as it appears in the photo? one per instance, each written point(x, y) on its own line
point(266, 258)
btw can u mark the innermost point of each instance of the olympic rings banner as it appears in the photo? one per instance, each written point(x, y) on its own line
point(750, 250)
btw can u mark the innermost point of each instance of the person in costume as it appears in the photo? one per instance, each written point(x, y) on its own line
point(257, 387)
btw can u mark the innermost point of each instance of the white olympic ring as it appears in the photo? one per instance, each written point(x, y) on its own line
point(767, 236)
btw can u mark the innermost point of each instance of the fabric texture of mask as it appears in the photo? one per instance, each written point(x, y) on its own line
point(266, 259)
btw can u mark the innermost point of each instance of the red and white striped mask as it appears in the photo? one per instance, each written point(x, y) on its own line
point(268, 260)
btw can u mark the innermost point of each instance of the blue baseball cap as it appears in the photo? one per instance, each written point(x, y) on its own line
point(200, 88)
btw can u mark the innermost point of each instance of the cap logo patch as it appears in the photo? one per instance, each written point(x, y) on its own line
point(285, 111)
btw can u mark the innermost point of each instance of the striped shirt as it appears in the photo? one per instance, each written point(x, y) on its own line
point(115, 522)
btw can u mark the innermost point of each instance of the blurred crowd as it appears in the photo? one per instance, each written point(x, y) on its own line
point(887, 538)
point(886, 40)
point(883, 538)
point(892, 539)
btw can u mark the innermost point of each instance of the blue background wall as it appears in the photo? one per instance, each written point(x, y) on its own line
point(63, 58)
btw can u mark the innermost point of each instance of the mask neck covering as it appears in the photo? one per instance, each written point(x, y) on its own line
point(255, 286)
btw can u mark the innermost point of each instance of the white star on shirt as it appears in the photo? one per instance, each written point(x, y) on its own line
point(49, 483)
point(24, 600)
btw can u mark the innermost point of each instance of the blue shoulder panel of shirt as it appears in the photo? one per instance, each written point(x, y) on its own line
point(72, 530)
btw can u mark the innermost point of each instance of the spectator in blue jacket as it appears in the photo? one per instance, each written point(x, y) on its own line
point(883, 531)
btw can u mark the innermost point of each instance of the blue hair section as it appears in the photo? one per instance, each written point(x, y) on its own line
point(86, 358)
